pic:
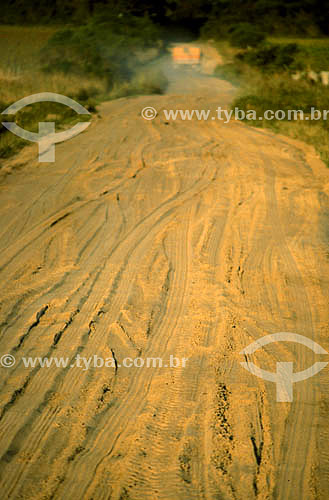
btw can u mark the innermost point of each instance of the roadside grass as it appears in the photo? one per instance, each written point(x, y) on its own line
point(226, 50)
point(22, 73)
point(232, 70)
point(313, 54)
point(273, 88)
point(20, 46)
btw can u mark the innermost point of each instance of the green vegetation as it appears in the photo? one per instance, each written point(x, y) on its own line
point(103, 59)
point(264, 75)
point(246, 35)
point(21, 75)
point(214, 17)
point(282, 17)
point(272, 57)
point(263, 68)
point(312, 52)
point(105, 47)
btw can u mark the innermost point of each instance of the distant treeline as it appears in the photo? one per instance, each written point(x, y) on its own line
point(213, 17)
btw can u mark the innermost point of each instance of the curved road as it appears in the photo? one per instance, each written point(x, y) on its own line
point(159, 238)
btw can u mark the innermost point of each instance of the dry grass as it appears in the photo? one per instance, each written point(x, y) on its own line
point(21, 75)
point(313, 134)
point(14, 88)
point(20, 47)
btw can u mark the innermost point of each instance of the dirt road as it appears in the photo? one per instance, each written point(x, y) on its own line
point(158, 238)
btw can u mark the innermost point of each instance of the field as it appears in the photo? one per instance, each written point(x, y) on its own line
point(21, 75)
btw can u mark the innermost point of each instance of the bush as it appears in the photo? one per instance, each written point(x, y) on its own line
point(105, 47)
point(244, 35)
point(315, 56)
point(230, 72)
point(86, 51)
point(272, 57)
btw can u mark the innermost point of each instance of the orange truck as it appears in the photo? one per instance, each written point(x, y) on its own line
point(186, 55)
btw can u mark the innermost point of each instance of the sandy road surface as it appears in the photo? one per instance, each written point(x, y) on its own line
point(151, 239)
